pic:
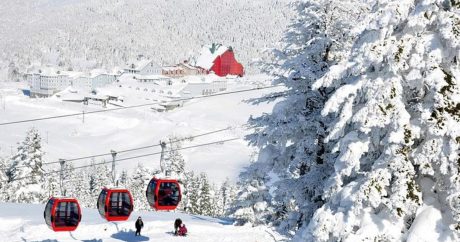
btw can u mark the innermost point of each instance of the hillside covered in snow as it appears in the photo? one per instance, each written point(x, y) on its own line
point(357, 140)
point(88, 34)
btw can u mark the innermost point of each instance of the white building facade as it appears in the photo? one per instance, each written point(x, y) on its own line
point(204, 88)
point(101, 80)
point(143, 67)
point(48, 83)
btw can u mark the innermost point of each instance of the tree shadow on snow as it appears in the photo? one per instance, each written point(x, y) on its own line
point(92, 240)
point(125, 235)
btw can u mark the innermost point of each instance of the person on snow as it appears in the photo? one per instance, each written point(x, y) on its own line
point(182, 230)
point(177, 225)
point(139, 226)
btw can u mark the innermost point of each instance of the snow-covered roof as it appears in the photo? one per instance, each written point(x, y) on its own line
point(151, 77)
point(97, 72)
point(72, 74)
point(116, 70)
point(203, 79)
point(49, 71)
point(186, 65)
point(171, 68)
point(71, 94)
point(196, 79)
point(52, 71)
point(139, 65)
point(208, 54)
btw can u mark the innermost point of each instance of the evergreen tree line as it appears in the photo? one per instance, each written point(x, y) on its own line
point(200, 196)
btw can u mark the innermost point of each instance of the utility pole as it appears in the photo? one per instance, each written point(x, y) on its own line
point(83, 113)
point(62, 163)
point(114, 155)
point(162, 157)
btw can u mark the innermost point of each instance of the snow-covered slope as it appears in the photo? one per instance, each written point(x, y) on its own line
point(70, 137)
point(24, 222)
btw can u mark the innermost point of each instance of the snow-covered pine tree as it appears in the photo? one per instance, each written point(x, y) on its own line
point(98, 176)
point(123, 180)
point(25, 174)
point(218, 201)
point(193, 187)
point(70, 179)
point(93, 179)
point(137, 185)
point(205, 203)
point(13, 72)
point(396, 117)
point(78, 187)
point(51, 184)
point(176, 164)
point(187, 190)
point(3, 180)
point(174, 157)
point(28, 154)
point(227, 194)
point(252, 203)
point(284, 186)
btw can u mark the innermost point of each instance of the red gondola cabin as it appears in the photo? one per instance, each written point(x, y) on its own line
point(163, 194)
point(62, 214)
point(115, 204)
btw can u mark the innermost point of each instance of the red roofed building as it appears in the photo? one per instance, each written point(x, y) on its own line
point(220, 60)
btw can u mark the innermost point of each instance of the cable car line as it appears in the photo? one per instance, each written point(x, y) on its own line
point(132, 149)
point(128, 158)
point(145, 147)
point(133, 106)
